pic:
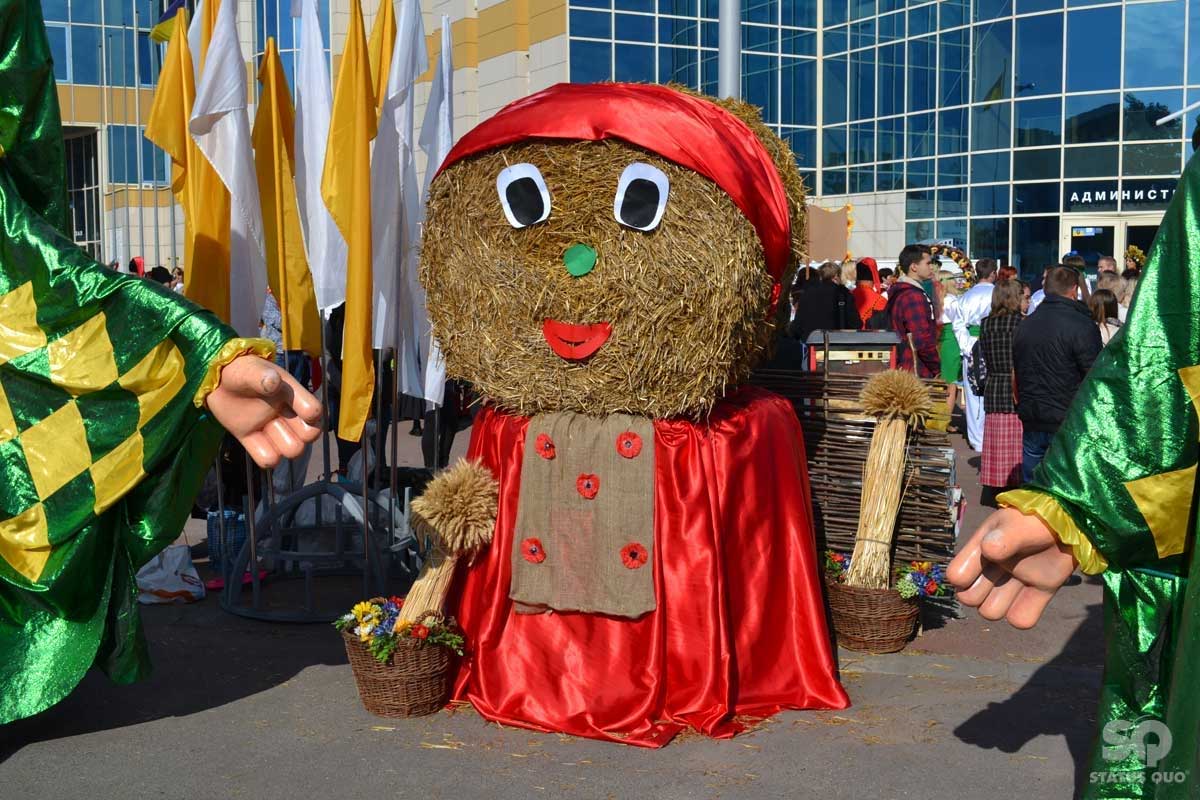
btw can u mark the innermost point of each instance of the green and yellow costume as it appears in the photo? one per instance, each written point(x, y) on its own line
point(103, 436)
point(1118, 486)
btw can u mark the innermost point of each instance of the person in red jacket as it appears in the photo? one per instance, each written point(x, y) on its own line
point(911, 313)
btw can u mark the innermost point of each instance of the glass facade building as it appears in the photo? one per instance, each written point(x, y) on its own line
point(1018, 129)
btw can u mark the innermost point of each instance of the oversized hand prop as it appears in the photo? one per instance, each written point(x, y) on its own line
point(1011, 568)
point(271, 414)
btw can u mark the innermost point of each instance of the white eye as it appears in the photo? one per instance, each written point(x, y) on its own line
point(523, 194)
point(641, 197)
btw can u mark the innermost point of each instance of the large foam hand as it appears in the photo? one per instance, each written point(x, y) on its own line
point(1011, 568)
point(271, 414)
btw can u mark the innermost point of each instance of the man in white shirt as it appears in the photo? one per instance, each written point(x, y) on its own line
point(972, 308)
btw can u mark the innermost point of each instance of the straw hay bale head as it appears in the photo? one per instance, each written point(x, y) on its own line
point(689, 302)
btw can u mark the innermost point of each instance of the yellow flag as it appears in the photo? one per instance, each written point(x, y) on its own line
point(207, 21)
point(383, 40)
point(346, 187)
point(275, 166)
point(196, 185)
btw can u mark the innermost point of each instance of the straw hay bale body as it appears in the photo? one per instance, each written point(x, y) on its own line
point(689, 302)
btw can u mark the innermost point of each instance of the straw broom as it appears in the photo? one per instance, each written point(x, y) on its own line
point(457, 514)
point(897, 399)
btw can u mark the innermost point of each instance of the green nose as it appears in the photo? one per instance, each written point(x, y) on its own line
point(579, 259)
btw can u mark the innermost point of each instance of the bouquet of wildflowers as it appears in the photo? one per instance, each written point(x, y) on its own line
point(921, 579)
point(377, 625)
point(836, 566)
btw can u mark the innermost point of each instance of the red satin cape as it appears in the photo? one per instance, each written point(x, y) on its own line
point(739, 625)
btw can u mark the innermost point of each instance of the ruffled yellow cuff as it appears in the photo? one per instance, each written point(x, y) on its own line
point(228, 352)
point(1047, 509)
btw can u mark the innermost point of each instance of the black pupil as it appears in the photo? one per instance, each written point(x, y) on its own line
point(525, 200)
point(640, 203)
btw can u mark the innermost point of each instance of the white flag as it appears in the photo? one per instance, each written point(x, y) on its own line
point(221, 127)
point(314, 100)
point(395, 207)
point(194, 36)
point(437, 137)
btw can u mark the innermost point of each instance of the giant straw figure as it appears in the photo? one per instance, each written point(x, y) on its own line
point(111, 391)
point(603, 262)
point(1115, 497)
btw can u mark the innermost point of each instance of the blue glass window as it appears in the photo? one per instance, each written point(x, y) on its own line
point(1085, 196)
point(118, 44)
point(918, 231)
point(862, 8)
point(862, 34)
point(953, 13)
point(919, 204)
point(798, 91)
point(834, 141)
point(634, 5)
point(1193, 69)
point(988, 201)
point(991, 9)
point(85, 11)
point(891, 80)
point(989, 167)
point(760, 38)
point(85, 55)
point(1089, 33)
point(835, 89)
point(670, 31)
point(605, 4)
point(954, 68)
point(1034, 244)
point(147, 63)
point(922, 74)
point(765, 11)
point(803, 142)
point(710, 8)
point(1154, 44)
point(991, 127)
point(1090, 162)
point(952, 170)
point(862, 179)
point(123, 153)
point(800, 13)
point(836, 12)
point(1152, 159)
point(1036, 165)
point(710, 34)
point(640, 28)
point(1092, 118)
point(952, 131)
point(921, 20)
point(889, 177)
point(708, 72)
point(591, 62)
point(891, 139)
point(54, 10)
point(760, 85)
point(1030, 6)
point(989, 238)
point(891, 28)
point(1143, 109)
point(953, 229)
point(680, 8)
point(633, 62)
point(58, 51)
point(592, 24)
point(836, 40)
point(993, 62)
point(833, 181)
point(1038, 122)
point(862, 143)
point(677, 65)
point(1148, 195)
point(1035, 198)
point(798, 43)
point(1039, 55)
point(862, 84)
point(920, 136)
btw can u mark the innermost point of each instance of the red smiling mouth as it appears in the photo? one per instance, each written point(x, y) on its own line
point(575, 342)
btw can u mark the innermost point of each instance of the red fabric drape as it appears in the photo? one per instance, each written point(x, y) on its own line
point(739, 625)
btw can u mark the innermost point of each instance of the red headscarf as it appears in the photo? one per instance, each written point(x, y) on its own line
point(687, 130)
point(868, 296)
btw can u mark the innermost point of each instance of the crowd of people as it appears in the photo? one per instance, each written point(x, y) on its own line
point(1015, 353)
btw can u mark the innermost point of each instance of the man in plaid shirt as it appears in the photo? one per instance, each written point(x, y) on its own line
point(911, 313)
